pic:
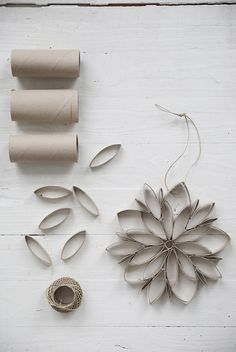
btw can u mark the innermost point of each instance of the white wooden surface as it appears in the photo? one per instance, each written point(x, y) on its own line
point(132, 57)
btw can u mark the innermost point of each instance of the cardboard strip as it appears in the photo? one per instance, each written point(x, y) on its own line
point(73, 245)
point(38, 251)
point(51, 147)
point(45, 63)
point(45, 106)
point(52, 192)
point(86, 201)
point(105, 155)
point(54, 219)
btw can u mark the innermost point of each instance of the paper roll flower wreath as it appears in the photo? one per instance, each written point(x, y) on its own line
point(170, 245)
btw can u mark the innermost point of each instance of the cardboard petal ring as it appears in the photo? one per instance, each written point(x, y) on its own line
point(43, 147)
point(45, 63)
point(160, 252)
point(45, 106)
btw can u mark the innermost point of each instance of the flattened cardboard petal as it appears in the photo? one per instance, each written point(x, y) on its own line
point(134, 274)
point(145, 255)
point(155, 265)
point(186, 266)
point(167, 219)
point(200, 215)
point(52, 192)
point(210, 237)
point(38, 251)
point(124, 248)
point(178, 197)
point(185, 289)
point(156, 288)
point(153, 225)
point(192, 248)
point(144, 237)
point(86, 201)
point(129, 219)
point(172, 269)
point(142, 205)
point(54, 219)
point(181, 222)
point(73, 245)
point(105, 155)
point(152, 201)
point(206, 267)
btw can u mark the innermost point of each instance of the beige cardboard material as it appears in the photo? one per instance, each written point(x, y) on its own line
point(55, 148)
point(49, 106)
point(168, 256)
point(45, 63)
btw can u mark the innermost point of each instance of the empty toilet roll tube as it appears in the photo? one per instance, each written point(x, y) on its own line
point(50, 105)
point(45, 63)
point(55, 147)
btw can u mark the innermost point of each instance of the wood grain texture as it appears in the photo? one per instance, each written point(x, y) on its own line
point(131, 58)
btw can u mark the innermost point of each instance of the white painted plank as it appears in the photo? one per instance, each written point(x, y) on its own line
point(118, 339)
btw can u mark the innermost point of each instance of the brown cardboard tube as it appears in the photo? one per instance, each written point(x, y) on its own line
point(57, 147)
point(53, 105)
point(45, 63)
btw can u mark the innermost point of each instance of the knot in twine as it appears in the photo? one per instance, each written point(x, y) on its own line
point(64, 295)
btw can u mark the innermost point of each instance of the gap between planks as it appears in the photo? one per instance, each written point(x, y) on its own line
point(118, 4)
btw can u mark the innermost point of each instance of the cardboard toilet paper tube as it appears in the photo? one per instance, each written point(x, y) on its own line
point(45, 63)
point(57, 147)
point(53, 105)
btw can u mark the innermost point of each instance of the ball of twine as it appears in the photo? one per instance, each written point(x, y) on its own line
point(64, 295)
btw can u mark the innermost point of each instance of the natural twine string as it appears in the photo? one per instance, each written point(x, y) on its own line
point(64, 283)
point(187, 120)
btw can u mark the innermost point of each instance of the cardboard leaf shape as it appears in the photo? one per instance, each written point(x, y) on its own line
point(86, 201)
point(156, 288)
point(155, 265)
point(206, 268)
point(144, 237)
point(181, 222)
point(144, 255)
point(73, 245)
point(53, 192)
point(167, 219)
point(200, 215)
point(186, 266)
point(105, 155)
point(54, 219)
point(129, 219)
point(123, 248)
point(178, 197)
point(153, 225)
point(151, 200)
point(38, 251)
point(134, 274)
point(172, 269)
point(192, 248)
point(142, 205)
point(185, 289)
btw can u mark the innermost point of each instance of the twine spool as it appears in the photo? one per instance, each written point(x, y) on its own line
point(64, 295)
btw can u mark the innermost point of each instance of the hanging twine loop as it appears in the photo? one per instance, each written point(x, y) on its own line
point(64, 295)
point(187, 121)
